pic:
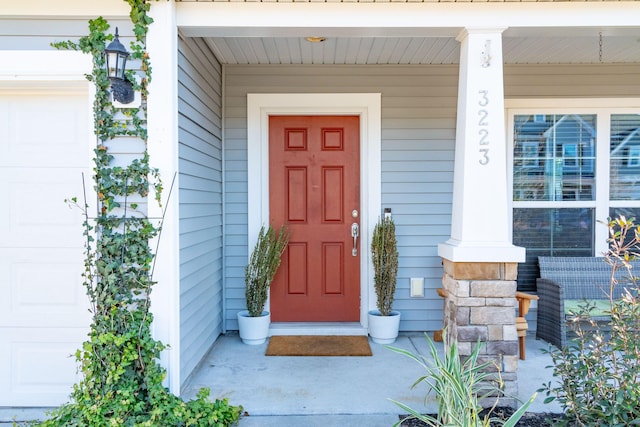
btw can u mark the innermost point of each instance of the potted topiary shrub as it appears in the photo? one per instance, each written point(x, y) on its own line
point(253, 323)
point(384, 322)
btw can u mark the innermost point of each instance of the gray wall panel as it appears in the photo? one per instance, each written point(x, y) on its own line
point(418, 137)
point(201, 201)
point(418, 131)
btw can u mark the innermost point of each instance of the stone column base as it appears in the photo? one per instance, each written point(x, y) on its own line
point(481, 305)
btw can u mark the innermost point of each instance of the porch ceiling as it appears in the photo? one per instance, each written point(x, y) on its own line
point(551, 46)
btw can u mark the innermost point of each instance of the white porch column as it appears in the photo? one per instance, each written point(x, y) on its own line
point(162, 109)
point(480, 263)
point(480, 222)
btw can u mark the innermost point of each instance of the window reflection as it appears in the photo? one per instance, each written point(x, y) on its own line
point(551, 232)
point(625, 157)
point(554, 157)
point(554, 165)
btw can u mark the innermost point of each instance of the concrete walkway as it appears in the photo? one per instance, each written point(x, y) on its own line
point(326, 391)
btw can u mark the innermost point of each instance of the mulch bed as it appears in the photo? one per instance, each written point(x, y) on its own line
point(529, 419)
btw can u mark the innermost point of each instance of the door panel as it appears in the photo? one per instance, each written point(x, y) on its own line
point(314, 187)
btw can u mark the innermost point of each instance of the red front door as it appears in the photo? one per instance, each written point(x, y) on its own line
point(314, 187)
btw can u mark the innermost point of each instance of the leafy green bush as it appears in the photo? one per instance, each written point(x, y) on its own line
point(599, 371)
point(458, 386)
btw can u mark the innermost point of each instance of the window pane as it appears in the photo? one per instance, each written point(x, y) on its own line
point(550, 232)
point(625, 157)
point(554, 157)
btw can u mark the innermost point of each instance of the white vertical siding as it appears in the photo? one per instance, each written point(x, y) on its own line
point(418, 122)
point(200, 195)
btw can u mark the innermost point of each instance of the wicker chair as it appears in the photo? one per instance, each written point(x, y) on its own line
point(571, 278)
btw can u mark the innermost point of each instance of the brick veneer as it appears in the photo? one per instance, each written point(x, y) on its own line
point(481, 305)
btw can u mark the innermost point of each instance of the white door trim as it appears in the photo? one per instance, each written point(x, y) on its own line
point(365, 105)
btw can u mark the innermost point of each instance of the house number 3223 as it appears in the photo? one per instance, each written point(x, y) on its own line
point(483, 124)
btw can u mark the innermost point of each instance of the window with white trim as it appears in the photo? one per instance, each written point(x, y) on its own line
point(570, 168)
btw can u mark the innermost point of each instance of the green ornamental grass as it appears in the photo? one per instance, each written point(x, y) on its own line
point(458, 387)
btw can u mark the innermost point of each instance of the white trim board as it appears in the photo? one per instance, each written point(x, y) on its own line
point(43, 65)
point(395, 19)
point(162, 126)
point(81, 9)
point(366, 105)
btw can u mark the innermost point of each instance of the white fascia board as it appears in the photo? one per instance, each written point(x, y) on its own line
point(426, 19)
point(66, 8)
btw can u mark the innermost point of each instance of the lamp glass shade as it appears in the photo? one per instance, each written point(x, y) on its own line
point(116, 57)
point(116, 65)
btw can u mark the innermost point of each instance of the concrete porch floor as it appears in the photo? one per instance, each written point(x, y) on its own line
point(335, 391)
point(324, 391)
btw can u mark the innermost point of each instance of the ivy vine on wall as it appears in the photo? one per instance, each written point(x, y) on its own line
point(122, 379)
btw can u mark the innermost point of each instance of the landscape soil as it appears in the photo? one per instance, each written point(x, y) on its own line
point(529, 419)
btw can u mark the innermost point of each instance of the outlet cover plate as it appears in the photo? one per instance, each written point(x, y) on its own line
point(417, 287)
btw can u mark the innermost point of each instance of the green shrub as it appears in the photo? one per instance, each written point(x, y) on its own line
point(265, 260)
point(384, 255)
point(598, 371)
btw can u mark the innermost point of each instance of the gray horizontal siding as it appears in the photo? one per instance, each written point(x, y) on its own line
point(599, 80)
point(201, 200)
point(418, 133)
point(418, 136)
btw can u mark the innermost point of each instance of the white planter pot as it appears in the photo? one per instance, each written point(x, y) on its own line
point(384, 329)
point(254, 330)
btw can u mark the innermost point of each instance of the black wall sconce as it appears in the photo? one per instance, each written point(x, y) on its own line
point(116, 58)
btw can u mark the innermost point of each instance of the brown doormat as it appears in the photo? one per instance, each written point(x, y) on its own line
point(318, 345)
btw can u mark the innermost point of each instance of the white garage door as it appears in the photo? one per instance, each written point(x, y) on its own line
point(45, 145)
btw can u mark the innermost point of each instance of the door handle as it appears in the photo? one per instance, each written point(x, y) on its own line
point(355, 232)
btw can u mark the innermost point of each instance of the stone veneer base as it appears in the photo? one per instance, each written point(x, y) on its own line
point(481, 305)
